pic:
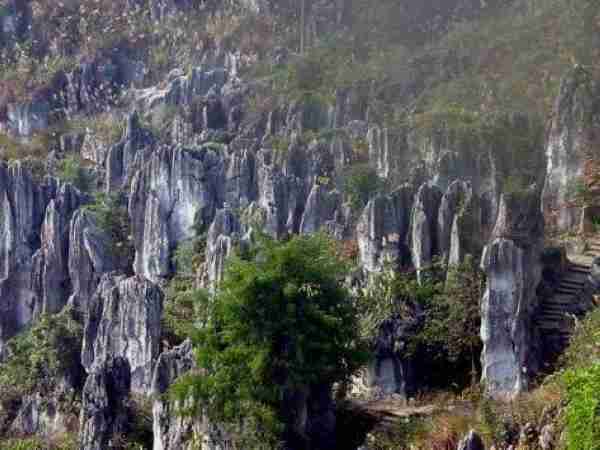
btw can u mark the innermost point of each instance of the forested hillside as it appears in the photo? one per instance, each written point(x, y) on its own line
point(299, 224)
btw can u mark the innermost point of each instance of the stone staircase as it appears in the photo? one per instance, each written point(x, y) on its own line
point(558, 314)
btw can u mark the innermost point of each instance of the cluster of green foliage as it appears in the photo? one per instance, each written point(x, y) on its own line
point(583, 410)
point(111, 215)
point(72, 170)
point(38, 357)
point(184, 303)
point(280, 322)
point(66, 442)
point(445, 312)
point(361, 184)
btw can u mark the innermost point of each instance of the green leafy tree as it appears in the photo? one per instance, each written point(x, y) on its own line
point(361, 184)
point(72, 171)
point(281, 322)
point(451, 331)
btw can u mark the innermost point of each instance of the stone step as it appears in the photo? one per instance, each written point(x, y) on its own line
point(573, 281)
point(568, 290)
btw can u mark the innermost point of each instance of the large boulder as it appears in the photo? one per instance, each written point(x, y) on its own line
point(572, 137)
point(124, 320)
point(512, 263)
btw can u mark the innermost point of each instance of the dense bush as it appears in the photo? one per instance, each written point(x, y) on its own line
point(37, 360)
point(280, 322)
point(112, 217)
point(361, 183)
point(583, 408)
point(71, 170)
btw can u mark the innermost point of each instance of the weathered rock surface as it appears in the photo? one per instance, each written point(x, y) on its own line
point(223, 235)
point(177, 191)
point(104, 409)
point(512, 263)
point(172, 431)
point(124, 320)
point(573, 134)
point(383, 228)
point(51, 268)
point(121, 156)
point(22, 209)
point(391, 372)
point(321, 206)
point(90, 256)
point(424, 227)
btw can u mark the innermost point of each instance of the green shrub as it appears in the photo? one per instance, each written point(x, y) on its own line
point(361, 183)
point(583, 408)
point(279, 322)
point(71, 170)
point(112, 217)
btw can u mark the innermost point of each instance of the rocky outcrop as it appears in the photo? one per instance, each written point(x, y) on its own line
point(391, 371)
point(174, 194)
point(22, 209)
point(121, 156)
point(383, 228)
point(460, 227)
point(573, 135)
point(379, 151)
point(472, 441)
point(424, 227)
point(124, 320)
point(51, 268)
point(181, 89)
point(320, 209)
point(90, 256)
point(104, 406)
point(223, 235)
point(512, 263)
point(172, 431)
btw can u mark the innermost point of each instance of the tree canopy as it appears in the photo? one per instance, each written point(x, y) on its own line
point(280, 322)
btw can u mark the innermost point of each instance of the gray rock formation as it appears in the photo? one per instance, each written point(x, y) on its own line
point(22, 209)
point(172, 431)
point(321, 207)
point(223, 235)
point(569, 144)
point(424, 227)
point(460, 228)
point(181, 89)
point(121, 156)
point(90, 256)
point(472, 441)
point(124, 320)
point(51, 273)
point(104, 408)
point(379, 151)
point(174, 194)
point(512, 263)
point(391, 371)
point(383, 228)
